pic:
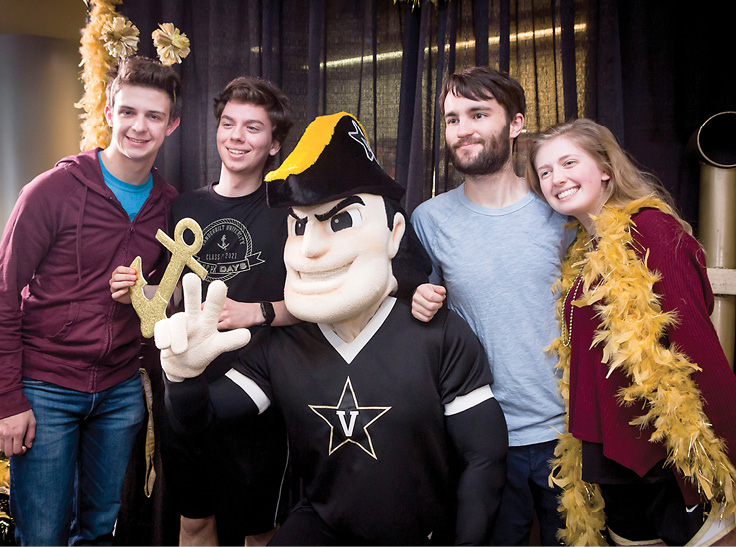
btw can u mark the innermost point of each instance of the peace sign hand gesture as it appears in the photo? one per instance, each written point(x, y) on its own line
point(189, 340)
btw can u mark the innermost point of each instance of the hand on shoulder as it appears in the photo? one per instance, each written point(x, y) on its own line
point(427, 301)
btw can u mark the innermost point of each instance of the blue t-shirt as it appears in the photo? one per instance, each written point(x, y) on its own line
point(131, 196)
point(498, 266)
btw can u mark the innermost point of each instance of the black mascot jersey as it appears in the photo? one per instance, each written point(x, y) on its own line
point(365, 419)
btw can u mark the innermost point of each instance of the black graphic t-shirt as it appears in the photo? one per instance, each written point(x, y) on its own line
point(242, 244)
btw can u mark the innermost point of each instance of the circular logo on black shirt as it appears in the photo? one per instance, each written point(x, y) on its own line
point(227, 250)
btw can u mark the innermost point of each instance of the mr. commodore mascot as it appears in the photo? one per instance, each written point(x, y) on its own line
point(392, 423)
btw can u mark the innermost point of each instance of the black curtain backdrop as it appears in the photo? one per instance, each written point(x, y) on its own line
point(651, 71)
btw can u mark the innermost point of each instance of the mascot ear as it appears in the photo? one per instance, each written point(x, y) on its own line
point(397, 234)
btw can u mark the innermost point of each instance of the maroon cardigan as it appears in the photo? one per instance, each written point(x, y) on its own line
point(595, 414)
point(58, 323)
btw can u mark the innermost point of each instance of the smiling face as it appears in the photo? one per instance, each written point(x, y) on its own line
point(245, 139)
point(478, 134)
point(338, 258)
point(571, 180)
point(140, 122)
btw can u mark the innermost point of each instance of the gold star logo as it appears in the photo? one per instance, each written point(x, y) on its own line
point(349, 422)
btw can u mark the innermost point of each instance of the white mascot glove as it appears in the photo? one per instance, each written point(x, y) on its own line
point(189, 340)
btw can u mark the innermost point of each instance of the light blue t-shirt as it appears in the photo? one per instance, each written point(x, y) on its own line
point(498, 266)
point(131, 196)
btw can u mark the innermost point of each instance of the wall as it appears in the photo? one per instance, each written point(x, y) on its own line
point(39, 58)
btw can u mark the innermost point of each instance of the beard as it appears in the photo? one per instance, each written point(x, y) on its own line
point(491, 159)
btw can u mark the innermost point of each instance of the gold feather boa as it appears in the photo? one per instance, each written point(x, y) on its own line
point(96, 61)
point(632, 323)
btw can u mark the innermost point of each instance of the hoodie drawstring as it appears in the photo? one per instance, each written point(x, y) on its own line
point(80, 221)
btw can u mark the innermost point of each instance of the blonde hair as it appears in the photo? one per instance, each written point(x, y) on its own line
point(628, 183)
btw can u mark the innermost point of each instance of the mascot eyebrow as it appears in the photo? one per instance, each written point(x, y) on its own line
point(332, 212)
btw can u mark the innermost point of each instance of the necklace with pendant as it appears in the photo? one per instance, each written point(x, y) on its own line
point(567, 327)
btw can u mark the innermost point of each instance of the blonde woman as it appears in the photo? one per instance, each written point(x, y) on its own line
point(649, 392)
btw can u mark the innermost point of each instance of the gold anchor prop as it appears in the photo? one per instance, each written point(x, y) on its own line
point(153, 310)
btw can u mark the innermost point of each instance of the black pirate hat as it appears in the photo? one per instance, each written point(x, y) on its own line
point(332, 160)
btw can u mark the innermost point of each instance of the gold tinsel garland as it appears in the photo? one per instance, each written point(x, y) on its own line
point(96, 62)
point(632, 323)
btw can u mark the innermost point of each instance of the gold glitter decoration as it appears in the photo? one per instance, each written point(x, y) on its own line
point(4, 474)
point(120, 37)
point(153, 310)
point(171, 45)
point(150, 449)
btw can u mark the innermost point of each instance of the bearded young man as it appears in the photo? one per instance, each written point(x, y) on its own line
point(383, 411)
point(495, 250)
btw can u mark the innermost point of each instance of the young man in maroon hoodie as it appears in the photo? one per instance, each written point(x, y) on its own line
point(71, 400)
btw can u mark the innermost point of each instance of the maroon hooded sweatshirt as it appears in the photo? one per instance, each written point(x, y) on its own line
point(58, 322)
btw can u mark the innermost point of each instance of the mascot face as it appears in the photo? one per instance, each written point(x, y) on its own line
point(338, 258)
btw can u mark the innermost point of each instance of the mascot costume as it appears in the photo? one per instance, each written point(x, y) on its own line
point(392, 423)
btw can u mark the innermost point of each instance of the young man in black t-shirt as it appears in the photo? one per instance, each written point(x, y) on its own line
point(242, 245)
point(227, 483)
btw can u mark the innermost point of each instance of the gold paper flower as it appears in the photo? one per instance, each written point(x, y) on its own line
point(120, 37)
point(172, 46)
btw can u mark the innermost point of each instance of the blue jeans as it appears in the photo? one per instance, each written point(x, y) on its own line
point(527, 491)
point(67, 488)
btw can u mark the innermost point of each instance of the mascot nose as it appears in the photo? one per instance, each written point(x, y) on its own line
point(314, 241)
